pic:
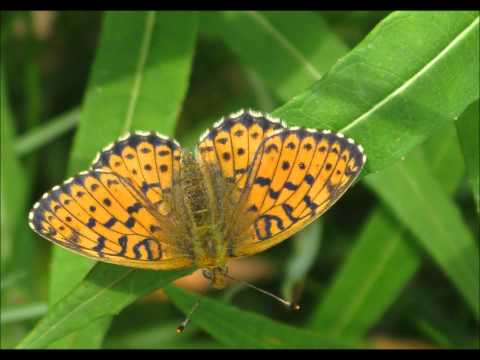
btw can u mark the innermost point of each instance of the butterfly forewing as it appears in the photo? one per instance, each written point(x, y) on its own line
point(231, 143)
point(149, 160)
point(118, 212)
point(296, 175)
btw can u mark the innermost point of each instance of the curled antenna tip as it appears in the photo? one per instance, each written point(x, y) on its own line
point(295, 307)
point(180, 329)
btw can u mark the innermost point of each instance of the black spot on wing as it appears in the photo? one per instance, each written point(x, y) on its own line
point(130, 222)
point(134, 208)
point(122, 241)
point(310, 204)
point(309, 179)
point(91, 222)
point(290, 186)
point(288, 211)
point(267, 226)
point(273, 194)
point(270, 148)
point(262, 181)
point(110, 222)
point(147, 244)
point(100, 245)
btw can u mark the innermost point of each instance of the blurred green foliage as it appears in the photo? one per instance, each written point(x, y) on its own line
point(384, 267)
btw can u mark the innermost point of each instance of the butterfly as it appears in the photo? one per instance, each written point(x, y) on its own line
point(251, 182)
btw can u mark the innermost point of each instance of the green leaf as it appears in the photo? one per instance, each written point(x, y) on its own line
point(385, 92)
point(418, 200)
point(443, 148)
point(242, 329)
point(162, 335)
point(392, 256)
point(390, 99)
point(143, 57)
point(468, 133)
point(104, 292)
point(297, 40)
point(362, 290)
point(89, 337)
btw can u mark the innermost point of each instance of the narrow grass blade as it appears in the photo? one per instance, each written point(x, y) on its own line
point(42, 135)
point(14, 182)
point(362, 290)
point(22, 312)
point(417, 199)
point(306, 245)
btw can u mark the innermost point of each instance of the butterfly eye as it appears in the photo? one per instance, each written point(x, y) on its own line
point(207, 273)
point(223, 269)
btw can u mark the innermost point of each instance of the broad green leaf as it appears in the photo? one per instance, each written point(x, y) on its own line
point(443, 148)
point(403, 81)
point(393, 258)
point(104, 292)
point(469, 132)
point(138, 81)
point(297, 42)
point(347, 89)
point(306, 245)
point(242, 329)
point(415, 196)
point(89, 337)
point(392, 108)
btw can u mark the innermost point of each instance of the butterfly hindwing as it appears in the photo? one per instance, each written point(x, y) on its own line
point(297, 174)
point(232, 142)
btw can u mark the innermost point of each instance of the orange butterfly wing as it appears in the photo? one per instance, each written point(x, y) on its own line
point(118, 211)
point(296, 175)
point(232, 142)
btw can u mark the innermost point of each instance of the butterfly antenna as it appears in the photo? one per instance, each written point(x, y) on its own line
point(291, 305)
point(183, 325)
point(185, 322)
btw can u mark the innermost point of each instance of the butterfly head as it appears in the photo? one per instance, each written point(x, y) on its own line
point(217, 276)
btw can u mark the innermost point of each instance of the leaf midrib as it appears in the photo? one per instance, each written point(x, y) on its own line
point(374, 274)
point(144, 49)
point(411, 80)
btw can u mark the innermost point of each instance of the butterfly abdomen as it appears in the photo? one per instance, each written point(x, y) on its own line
point(197, 204)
